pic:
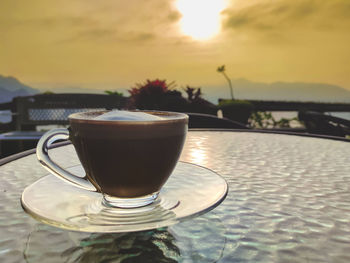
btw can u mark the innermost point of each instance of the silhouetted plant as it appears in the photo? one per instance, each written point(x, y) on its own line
point(193, 93)
point(156, 95)
point(222, 69)
point(197, 103)
point(114, 93)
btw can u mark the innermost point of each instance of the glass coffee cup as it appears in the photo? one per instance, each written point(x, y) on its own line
point(128, 161)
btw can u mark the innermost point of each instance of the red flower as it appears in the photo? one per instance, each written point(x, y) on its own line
point(148, 94)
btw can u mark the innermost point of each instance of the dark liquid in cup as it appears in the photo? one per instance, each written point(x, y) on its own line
point(128, 160)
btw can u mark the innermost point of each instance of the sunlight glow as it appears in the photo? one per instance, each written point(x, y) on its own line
point(200, 18)
point(198, 153)
point(198, 156)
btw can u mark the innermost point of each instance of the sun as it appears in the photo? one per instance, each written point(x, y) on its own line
point(200, 18)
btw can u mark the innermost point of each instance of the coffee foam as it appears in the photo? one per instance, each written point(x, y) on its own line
point(118, 115)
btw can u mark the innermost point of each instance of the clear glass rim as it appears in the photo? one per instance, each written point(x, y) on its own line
point(175, 208)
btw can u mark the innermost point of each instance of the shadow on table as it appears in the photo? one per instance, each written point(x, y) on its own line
point(199, 240)
point(150, 246)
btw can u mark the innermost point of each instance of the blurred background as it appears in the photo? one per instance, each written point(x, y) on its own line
point(265, 50)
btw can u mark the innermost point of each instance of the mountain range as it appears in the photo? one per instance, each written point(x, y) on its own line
point(10, 87)
point(286, 91)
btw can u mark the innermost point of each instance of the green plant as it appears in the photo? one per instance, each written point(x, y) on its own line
point(237, 110)
point(222, 69)
point(235, 103)
point(263, 119)
point(114, 93)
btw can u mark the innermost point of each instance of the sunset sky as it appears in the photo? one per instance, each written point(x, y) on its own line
point(115, 44)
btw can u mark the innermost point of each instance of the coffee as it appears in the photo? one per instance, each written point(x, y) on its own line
point(128, 159)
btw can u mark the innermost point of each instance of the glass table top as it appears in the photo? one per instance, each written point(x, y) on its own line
point(288, 201)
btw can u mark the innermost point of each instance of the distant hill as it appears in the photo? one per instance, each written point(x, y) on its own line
point(243, 89)
point(10, 87)
point(287, 91)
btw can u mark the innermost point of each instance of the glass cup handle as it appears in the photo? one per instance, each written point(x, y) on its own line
point(42, 152)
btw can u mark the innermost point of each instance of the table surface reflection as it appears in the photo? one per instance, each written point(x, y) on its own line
point(288, 201)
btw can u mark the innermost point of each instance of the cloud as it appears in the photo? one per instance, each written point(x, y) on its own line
point(49, 22)
point(110, 35)
point(107, 21)
point(285, 14)
point(174, 16)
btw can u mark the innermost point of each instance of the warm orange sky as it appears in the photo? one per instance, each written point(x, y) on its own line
point(92, 43)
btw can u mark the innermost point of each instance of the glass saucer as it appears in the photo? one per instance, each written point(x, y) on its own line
point(190, 191)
